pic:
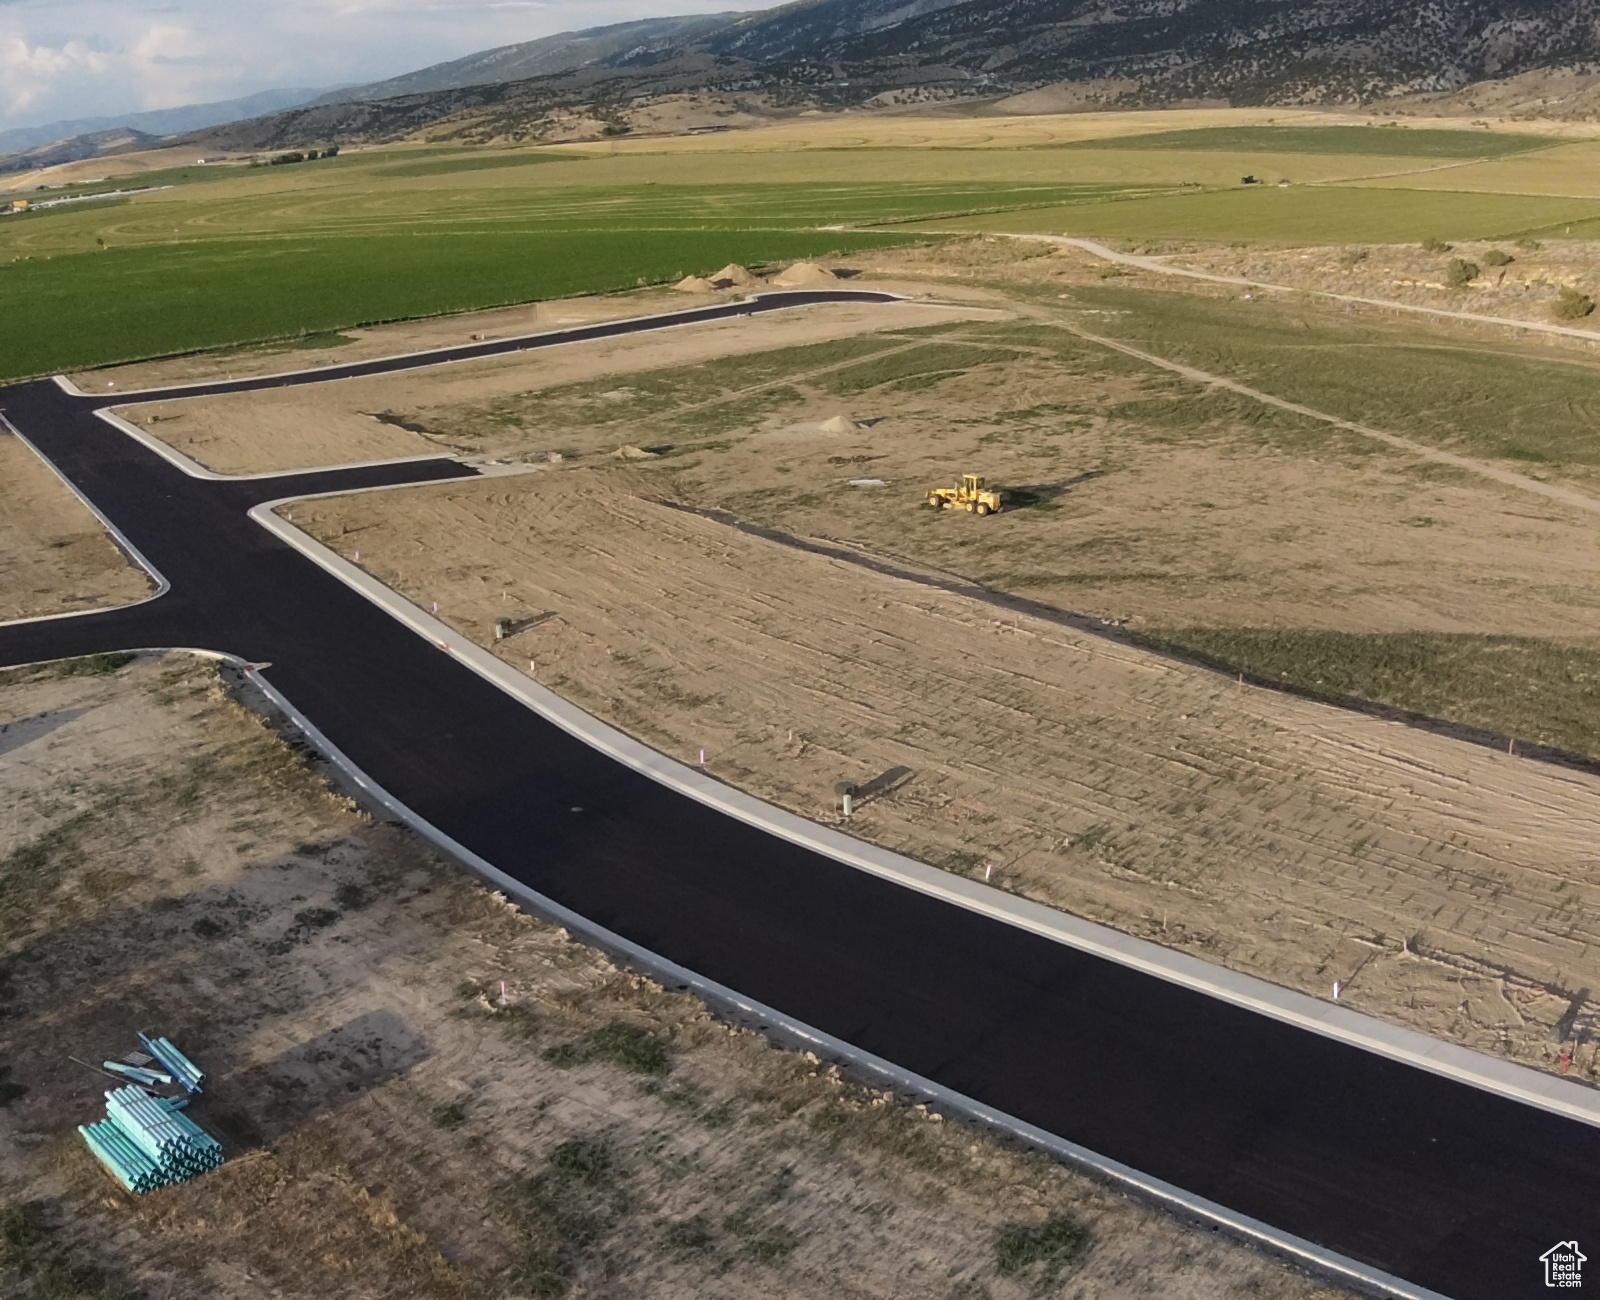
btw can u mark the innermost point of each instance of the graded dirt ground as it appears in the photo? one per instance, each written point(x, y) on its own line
point(55, 557)
point(1449, 887)
point(425, 1093)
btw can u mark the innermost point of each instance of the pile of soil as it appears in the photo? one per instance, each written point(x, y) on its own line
point(805, 275)
point(734, 276)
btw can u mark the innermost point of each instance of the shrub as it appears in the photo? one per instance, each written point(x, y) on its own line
point(1498, 257)
point(586, 1160)
point(629, 1047)
point(332, 151)
point(1045, 1250)
point(1432, 245)
point(1571, 305)
point(1460, 273)
point(1529, 245)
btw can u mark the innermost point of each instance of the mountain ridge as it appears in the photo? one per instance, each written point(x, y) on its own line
point(830, 54)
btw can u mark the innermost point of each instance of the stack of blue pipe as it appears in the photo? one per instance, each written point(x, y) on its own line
point(147, 1142)
point(185, 1071)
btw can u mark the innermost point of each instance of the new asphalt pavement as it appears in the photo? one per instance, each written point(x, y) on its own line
point(1430, 1180)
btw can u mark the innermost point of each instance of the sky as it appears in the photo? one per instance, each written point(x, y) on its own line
point(63, 59)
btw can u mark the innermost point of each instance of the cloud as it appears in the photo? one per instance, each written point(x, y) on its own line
point(64, 59)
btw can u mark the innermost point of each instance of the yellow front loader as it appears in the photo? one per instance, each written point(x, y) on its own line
point(970, 495)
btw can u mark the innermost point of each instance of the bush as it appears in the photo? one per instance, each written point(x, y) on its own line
point(1571, 305)
point(1432, 245)
point(1045, 1250)
point(284, 158)
point(1498, 257)
point(1460, 273)
point(1529, 245)
point(332, 151)
point(629, 1047)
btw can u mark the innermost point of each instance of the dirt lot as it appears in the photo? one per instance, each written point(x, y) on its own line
point(424, 1093)
point(54, 555)
point(368, 419)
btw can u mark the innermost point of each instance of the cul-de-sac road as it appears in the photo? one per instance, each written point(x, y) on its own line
point(1449, 1187)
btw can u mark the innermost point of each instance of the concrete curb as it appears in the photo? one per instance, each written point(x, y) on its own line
point(1170, 1198)
point(1503, 1078)
point(116, 534)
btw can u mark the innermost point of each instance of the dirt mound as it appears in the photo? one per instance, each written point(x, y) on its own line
point(629, 452)
point(839, 424)
point(805, 275)
point(734, 274)
point(694, 284)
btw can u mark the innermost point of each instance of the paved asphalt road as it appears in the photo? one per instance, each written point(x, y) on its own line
point(1448, 1187)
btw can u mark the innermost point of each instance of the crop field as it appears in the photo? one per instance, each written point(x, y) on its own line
point(90, 309)
point(232, 255)
point(1321, 214)
point(1390, 141)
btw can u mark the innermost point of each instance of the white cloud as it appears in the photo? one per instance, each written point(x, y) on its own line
point(87, 58)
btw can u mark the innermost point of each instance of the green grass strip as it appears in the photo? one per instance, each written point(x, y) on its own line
point(1535, 690)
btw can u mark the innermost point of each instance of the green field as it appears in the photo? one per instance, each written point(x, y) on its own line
point(1321, 214)
point(159, 299)
point(1390, 141)
point(232, 255)
point(1496, 399)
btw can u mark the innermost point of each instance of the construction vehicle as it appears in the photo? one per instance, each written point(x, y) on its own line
point(970, 495)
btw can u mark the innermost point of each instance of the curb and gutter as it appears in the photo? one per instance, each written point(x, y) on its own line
point(1518, 1083)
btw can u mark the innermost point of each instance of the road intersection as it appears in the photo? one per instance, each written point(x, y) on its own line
point(1363, 1158)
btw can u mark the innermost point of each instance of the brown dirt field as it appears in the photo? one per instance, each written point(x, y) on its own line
point(55, 557)
point(1451, 888)
point(395, 1127)
point(298, 427)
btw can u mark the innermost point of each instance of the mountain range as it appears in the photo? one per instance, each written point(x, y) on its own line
point(845, 53)
point(848, 53)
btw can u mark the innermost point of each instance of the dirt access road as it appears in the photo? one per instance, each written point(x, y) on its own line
point(1161, 266)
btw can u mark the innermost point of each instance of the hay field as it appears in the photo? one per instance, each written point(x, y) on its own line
point(234, 255)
